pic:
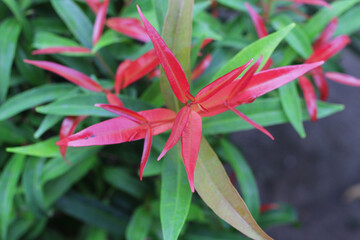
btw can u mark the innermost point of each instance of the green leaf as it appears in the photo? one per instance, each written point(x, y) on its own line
point(235, 4)
point(9, 133)
point(160, 7)
point(8, 185)
point(121, 179)
point(177, 34)
point(33, 97)
point(152, 96)
point(93, 212)
point(297, 38)
point(9, 32)
point(318, 22)
point(139, 225)
point(32, 74)
point(349, 23)
point(47, 39)
point(54, 189)
point(266, 112)
point(284, 214)
point(33, 186)
point(264, 47)
point(48, 122)
point(20, 226)
point(75, 19)
point(108, 38)
point(47, 148)
point(94, 233)
point(214, 187)
point(244, 176)
point(175, 196)
point(291, 103)
point(83, 104)
point(57, 167)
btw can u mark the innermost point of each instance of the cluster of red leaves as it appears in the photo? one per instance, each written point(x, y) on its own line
point(225, 93)
point(324, 48)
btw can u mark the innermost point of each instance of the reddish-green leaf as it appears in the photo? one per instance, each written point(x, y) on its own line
point(319, 79)
point(69, 74)
point(201, 67)
point(326, 34)
point(61, 49)
point(99, 22)
point(312, 2)
point(310, 97)
point(258, 22)
point(130, 27)
point(146, 151)
point(94, 5)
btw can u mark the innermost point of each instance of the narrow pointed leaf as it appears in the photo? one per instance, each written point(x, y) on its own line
point(179, 124)
point(8, 183)
point(9, 30)
point(99, 22)
point(139, 225)
point(124, 112)
point(119, 77)
point(170, 64)
point(264, 47)
point(146, 151)
point(45, 148)
point(68, 127)
point(94, 5)
point(69, 74)
point(310, 97)
point(201, 67)
point(327, 34)
point(329, 49)
point(60, 49)
point(312, 2)
point(215, 188)
point(48, 122)
point(113, 99)
point(175, 196)
point(258, 22)
point(251, 122)
point(190, 143)
point(343, 79)
point(130, 27)
point(320, 82)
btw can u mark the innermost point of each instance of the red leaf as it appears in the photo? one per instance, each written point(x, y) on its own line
point(61, 49)
point(128, 72)
point(212, 89)
point(268, 207)
point(146, 151)
point(124, 112)
point(99, 22)
point(326, 34)
point(68, 127)
point(113, 99)
point(121, 129)
point(201, 67)
point(130, 27)
point(329, 49)
point(320, 82)
point(69, 74)
point(94, 5)
point(267, 65)
point(206, 42)
point(244, 80)
point(179, 125)
point(190, 144)
point(343, 78)
point(170, 64)
point(258, 22)
point(261, 83)
point(248, 120)
point(312, 2)
point(154, 73)
point(310, 97)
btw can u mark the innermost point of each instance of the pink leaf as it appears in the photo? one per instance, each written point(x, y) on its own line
point(121, 129)
point(329, 49)
point(170, 64)
point(61, 49)
point(130, 27)
point(251, 122)
point(190, 144)
point(212, 89)
point(99, 22)
point(68, 127)
point(310, 97)
point(124, 112)
point(146, 151)
point(113, 99)
point(179, 125)
point(201, 67)
point(322, 85)
point(129, 72)
point(69, 74)
point(258, 22)
point(343, 78)
point(326, 35)
point(312, 2)
point(206, 42)
point(94, 5)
